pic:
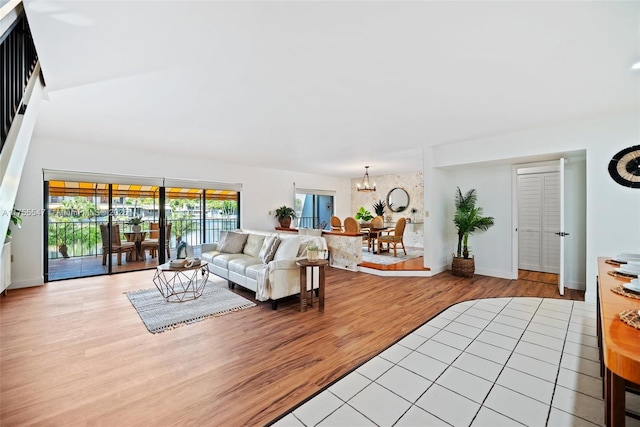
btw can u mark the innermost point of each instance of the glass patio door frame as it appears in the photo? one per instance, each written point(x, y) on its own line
point(101, 183)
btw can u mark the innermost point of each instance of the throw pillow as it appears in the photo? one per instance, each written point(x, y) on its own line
point(233, 243)
point(288, 247)
point(253, 245)
point(269, 247)
point(223, 237)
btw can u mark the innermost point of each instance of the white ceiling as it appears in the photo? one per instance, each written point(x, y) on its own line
point(327, 87)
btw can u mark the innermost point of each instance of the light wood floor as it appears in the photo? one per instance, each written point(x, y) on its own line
point(76, 353)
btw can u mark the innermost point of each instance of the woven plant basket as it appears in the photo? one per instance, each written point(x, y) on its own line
point(463, 267)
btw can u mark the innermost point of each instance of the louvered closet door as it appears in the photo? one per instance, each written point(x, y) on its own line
point(539, 220)
point(530, 222)
point(551, 223)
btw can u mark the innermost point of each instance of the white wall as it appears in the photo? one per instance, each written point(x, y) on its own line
point(492, 248)
point(612, 224)
point(263, 189)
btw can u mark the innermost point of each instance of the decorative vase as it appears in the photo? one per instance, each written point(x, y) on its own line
point(463, 267)
point(136, 228)
point(312, 256)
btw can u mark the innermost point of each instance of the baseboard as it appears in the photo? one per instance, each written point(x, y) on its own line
point(26, 283)
point(579, 286)
point(494, 273)
point(396, 273)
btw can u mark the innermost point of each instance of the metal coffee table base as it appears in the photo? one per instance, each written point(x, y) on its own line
point(181, 284)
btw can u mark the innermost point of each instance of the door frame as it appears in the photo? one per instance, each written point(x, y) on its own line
point(545, 166)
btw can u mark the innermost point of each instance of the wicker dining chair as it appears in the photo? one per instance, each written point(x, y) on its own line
point(394, 239)
point(152, 244)
point(117, 246)
point(336, 224)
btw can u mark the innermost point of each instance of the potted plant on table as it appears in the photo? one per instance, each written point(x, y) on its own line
point(313, 252)
point(135, 223)
point(468, 219)
point(364, 216)
point(378, 207)
point(285, 214)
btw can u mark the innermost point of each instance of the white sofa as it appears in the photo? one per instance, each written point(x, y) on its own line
point(261, 261)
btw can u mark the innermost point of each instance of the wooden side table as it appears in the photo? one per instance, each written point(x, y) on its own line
point(304, 264)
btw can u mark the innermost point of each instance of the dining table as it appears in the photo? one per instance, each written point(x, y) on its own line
point(374, 233)
point(137, 237)
point(618, 330)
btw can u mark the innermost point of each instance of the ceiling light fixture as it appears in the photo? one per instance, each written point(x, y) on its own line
point(636, 66)
point(365, 186)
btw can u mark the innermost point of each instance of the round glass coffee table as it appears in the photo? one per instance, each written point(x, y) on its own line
point(178, 284)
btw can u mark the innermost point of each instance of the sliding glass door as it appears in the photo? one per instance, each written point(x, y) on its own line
point(98, 228)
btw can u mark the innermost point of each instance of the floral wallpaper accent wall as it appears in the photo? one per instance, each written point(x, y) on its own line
point(413, 183)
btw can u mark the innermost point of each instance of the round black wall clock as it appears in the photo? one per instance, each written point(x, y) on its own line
point(624, 167)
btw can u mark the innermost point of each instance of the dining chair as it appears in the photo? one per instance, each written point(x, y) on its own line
point(394, 237)
point(351, 225)
point(152, 244)
point(377, 225)
point(336, 224)
point(117, 245)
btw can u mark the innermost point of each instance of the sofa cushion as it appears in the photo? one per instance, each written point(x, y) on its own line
point(233, 243)
point(252, 271)
point(269, 247)
point(222, 260)
point(209, 255)
point(253, 245)
point(288, 248)
point(239, 265)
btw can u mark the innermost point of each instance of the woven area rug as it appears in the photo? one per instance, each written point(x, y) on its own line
point(387, 258)
point(159, 315)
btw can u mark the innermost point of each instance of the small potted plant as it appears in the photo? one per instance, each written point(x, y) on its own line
point(364, 216)
point(313, 252)
point(285, 214)
point(135, 223)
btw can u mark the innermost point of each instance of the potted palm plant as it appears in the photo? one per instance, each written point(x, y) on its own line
point(378, 207)
point(468, 219)
point(285, 214)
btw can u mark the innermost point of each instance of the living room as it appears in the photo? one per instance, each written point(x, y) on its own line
point(449, 92)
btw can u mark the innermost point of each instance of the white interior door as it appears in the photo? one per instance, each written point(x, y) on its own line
point(530, 222)
point(539, 220)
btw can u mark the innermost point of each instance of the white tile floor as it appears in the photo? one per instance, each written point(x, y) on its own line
point(491, 362)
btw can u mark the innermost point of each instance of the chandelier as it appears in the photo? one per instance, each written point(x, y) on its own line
point(365, 185)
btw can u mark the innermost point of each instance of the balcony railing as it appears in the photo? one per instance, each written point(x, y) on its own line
point(18, 59)
point(82, 238)
point(311, 222)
